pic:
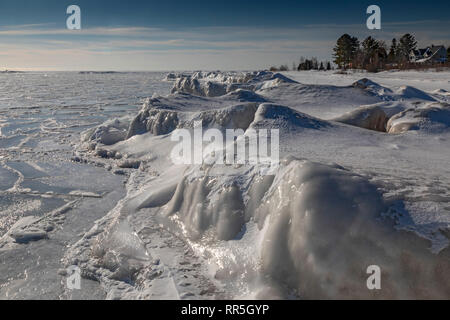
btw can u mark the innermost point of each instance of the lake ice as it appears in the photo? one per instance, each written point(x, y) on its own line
point(86, 179)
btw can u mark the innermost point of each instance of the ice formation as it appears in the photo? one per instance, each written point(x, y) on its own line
point(307, 230)
point(362, 181)
point(432, 117)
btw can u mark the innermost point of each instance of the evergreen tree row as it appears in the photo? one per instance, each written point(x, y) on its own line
point(372, 54)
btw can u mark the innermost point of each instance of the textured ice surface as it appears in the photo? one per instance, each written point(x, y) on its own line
point(343, 198)
point(48, 195)
point(324, 230)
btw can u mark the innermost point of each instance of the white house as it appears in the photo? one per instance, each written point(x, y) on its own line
point(433, 54)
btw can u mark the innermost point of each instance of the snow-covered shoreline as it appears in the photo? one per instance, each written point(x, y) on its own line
point(363, 180)
point(345, 196)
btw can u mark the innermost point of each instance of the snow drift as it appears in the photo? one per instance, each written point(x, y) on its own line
point(306, 230)
point(433, 117)
point(372, 117)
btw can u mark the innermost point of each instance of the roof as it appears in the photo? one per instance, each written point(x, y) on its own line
point(432, 51)
point(435, 49)
point(420, 52)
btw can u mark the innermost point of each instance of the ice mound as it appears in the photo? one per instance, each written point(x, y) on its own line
point(235, 117)
point(372, 87)
point(155, 121)
point(306, 229)
point(215, 85)
point(275, 116)
point(178, 102)
point(162, 115)
point(201, 207)
point(315, 248)
point(160, 121)
point(193, 86)
point(266, 78)
point(409, 92)
point(240, 77)
point(244, 95)
point(322, 248)
point(403, 93)
point(223, 77)
point(172, 76)
point(322, 101)
point(110, 132)
point(372, 117)
point(367, 84)
point(433, 117)
point(188, 85)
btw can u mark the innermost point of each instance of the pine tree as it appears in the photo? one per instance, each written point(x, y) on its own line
point(315, 64)
point(406, 45)
point(321, 66)
point(345, 50)
point(328, 65)
point(393, 51)
point(374, 54)
point(369, 46)
point(448, 54)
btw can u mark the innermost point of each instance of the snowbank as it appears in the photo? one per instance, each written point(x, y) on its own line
point(431, 118)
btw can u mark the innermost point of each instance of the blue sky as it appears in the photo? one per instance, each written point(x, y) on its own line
point(187, 35)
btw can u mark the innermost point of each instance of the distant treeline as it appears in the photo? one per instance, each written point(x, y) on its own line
point(371, 54)
point(374, 55)
point(305, 64)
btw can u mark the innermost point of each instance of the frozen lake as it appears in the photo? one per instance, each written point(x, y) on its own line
point(41, 116)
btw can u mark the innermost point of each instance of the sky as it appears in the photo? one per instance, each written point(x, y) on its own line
point(200, 35)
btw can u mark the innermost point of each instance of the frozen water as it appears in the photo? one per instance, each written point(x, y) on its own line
point(364, 180)
point(46, 198)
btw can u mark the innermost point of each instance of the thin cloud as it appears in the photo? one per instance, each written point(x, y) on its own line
point(40, 46)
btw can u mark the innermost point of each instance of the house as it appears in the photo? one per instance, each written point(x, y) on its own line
point(419, 54)
point(433, 54)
